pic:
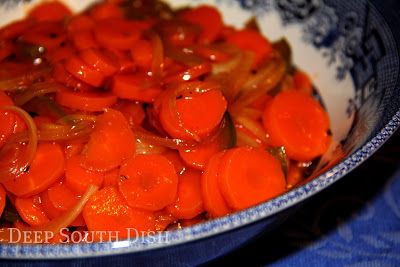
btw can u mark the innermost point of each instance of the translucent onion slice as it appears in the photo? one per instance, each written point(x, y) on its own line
point(23, 156)
point(253, 126)
point(157, 64)
point(57, 224)
point(152, 139)
point(37, 89)
point(22, 81)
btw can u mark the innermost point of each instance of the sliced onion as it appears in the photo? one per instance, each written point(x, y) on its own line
point(20, 164)
point(22, 81)
point(152, 139)
point(260, 84)
point(253, 126)
point(157, 63)
point(37, 89)
point(243, 138)
point(69, 216)
point(57, 132)
point(76, 118)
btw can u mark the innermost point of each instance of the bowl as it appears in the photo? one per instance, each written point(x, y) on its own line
point(351, 51)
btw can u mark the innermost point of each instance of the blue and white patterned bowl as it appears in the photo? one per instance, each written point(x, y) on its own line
point(350, 49)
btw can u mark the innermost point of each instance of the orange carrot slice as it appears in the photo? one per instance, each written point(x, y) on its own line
point(213, 201)
point(57, 199)
point(2, 199)
point(48, 34)
point(83, 39)
point(299, 123)
point(252, 41)
point(117, 34)
point(106, 210)
point(111, 142)
point(208, 18)
point(249, 176)
point(78, 68)
point(79, 179)
point(138, 87)
point(132, 111)
point(31, 211)
point(80, 23)
point(189, 202)
point(142, 54)
point(100, 61)
point(86, 101)
point(50, 11)
point(106, 11)
point(149, 182)
point(196, 114)
point(46, 168)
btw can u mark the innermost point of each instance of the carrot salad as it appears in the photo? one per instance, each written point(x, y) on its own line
point(134, 115)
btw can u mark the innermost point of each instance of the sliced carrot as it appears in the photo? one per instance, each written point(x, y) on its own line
point(78, 68)
point(299, 123)
point(31, 211)
point(113, 139)
point(302, 82)
point(50, 11)
point(149, 182)
point(178, 33)
point(79, 179)
point(100, 61)
point(62, 53)
point(106, 210)
point(213, 201)
point(62, 76)
point(189, 202)
point(198, 114)
point(2, 199)
point(15, 29)
point(249, 176)
point(83, 39)
point(48, 34)
point(117, 34)
point(62, 197)
point(106, 11)
point(86, 101)
point(124, 59)
point(7, 118)
point(111, 178)
point(190, 74)
point(208, 18)
point(176, 160)
point(138, 87)
point(199, 156)
point(48, 207)
point(142, 54)
point(73, 148)
point(252, 41)
point(163, 219)
point(46, 168)
point(133, 112)
point(80, 23)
